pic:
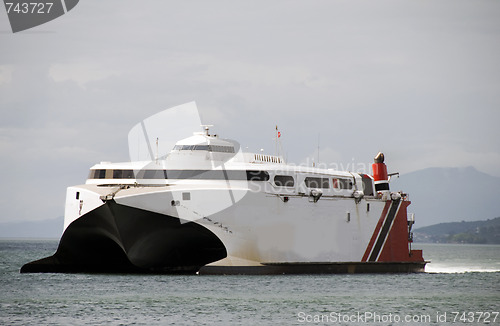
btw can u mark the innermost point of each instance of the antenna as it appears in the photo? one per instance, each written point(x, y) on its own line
point(156, 159)
point(279, 148)
point(318, 147)
point(206, 128)
point(276, 142)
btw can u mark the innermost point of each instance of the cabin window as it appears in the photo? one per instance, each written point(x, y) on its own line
point(344, 183)
point(317, 182)
point(257, 175)
point(284, 181)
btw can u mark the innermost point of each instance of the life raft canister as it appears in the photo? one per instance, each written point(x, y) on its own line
point(380, 177)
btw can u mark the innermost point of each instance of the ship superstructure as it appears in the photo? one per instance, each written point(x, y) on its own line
point(208, 207)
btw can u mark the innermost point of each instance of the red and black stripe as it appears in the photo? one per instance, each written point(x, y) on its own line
point(382, 231)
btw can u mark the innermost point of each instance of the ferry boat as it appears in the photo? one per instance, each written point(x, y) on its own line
point(208, 207)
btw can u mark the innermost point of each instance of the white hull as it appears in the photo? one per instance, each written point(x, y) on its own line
point(261, 232)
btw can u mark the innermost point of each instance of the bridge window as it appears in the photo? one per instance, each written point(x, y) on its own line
point(123, 174)
point(221, 149)
point(211, 148)
point(112, 174)
point(97, 174)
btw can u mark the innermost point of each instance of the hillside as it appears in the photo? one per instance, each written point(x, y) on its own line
point(440, 195)
point(486, 232)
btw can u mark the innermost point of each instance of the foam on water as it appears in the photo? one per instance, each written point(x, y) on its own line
point(458, 258)
point(446, 269)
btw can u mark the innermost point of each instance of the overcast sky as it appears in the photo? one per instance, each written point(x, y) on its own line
point(418, 80)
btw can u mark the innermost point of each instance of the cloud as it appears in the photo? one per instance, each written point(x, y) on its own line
point(6, 74)
point(81, 73)
point(416, 80)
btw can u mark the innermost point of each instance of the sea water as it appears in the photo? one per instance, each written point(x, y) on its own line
point(461, 287)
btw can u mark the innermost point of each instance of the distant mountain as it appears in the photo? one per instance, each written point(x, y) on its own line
point(460, 232)
point(33, 229)
point(441, 195)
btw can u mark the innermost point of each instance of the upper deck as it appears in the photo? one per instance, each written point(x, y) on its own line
point(206, 159)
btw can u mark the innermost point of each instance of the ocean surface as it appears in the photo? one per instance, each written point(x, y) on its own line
point(461, 287)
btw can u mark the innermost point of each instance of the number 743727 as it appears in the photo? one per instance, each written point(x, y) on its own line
point(29, 7)
point(471, 317)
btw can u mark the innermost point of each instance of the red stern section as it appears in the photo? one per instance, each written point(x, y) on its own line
point(390, 240)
